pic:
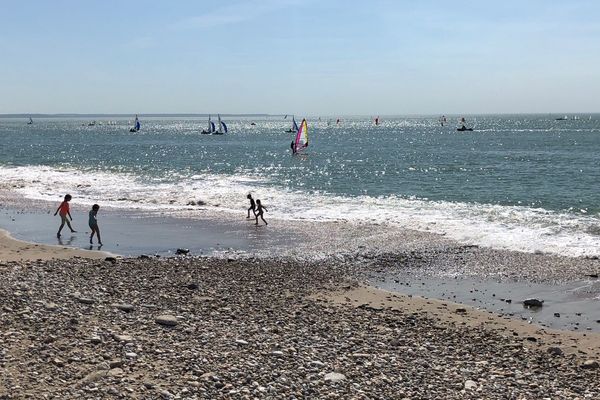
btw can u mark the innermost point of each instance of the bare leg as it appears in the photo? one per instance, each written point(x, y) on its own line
point(69, 225)
point(62, 224)
point(98, 234)
point(256, 216)
point(92, 235)
point(261, 217)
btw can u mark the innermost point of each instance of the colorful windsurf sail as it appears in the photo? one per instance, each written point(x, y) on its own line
point(294, 125)
point(138, 126)
point(302, 137)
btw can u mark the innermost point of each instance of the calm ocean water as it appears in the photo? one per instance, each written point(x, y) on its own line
point(524, 182)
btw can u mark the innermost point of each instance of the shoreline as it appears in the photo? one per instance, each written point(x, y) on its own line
point(14, 250)
point(408, 262)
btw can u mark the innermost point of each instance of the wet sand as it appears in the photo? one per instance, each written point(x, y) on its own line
point(17, 250)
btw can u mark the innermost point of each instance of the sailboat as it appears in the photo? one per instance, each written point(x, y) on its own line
point(211, 127)
point(377, 121)
point(294, 127)
point(301, 141)
point(30, 121)
point(442, 120)
point(136, 125)
point(222, 127)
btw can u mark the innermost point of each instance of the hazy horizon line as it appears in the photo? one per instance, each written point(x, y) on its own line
point(89, 115)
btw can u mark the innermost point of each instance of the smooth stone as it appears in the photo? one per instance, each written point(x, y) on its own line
point(334, 377)
point(115, 372)
point(123, 338)
point(241, 342)
point(85, 300)
point(470, 385)
point(124, 307)
point(131, 355)
point(590, 364)
point(316, 363)
point(181, 251)
point(167, 320)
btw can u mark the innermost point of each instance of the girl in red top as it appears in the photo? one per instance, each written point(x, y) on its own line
point(63, 211)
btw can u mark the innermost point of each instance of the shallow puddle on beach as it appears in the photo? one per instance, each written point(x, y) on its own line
point(576, 305)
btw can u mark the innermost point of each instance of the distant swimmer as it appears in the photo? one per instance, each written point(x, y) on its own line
point(259, 212)
point(64, 211)
point(93, 223)
point(252, 206)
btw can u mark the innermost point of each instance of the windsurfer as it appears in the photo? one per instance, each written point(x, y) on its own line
point(293, 147)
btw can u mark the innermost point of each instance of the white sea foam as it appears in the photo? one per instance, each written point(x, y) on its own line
point(516, 228)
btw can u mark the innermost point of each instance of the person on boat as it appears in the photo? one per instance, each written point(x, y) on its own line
point(64, 212)
point(293, 146)
point(252, 205)
point(93, 223)
point(259, 212)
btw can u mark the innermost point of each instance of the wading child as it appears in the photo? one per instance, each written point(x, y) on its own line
point(252, 206)
point(93, 222)
point(259, 212)
point(64, 212)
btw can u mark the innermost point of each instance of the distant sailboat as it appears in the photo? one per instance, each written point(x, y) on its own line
point(301, 141)
point(222, 127)
point(30, 121)
point(377, 121)
point(211, 128)
point(562, 118)
point(136, 125)
point(442, 120)
point(294, 127)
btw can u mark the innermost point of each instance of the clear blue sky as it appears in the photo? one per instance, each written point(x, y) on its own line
point(299, 56)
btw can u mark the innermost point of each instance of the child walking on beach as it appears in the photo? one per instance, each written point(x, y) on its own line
point(259, 212)
point(93, 222)
point(252, 206)
point(64, 212)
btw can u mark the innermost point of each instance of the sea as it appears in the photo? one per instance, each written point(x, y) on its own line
point(520, 182)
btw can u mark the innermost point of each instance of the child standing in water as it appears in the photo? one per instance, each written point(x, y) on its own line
point(252, 205)
point(64, 212)
point(259, 212)
point(93, 222)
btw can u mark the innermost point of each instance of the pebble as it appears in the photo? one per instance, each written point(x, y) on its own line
point(166, 320)
point(334, 377)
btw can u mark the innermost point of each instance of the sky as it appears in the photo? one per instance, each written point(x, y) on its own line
point(303, 57)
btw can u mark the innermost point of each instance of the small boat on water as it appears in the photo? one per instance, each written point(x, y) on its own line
point(222, 127)
point(442, 120)
point(211, 128)
point(294, 127)
point(377, 120)
point(562, 118)
point(300, 142)
point(136, 126)
point(30, 121)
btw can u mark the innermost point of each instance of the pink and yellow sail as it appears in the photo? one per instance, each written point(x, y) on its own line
point(302, 137)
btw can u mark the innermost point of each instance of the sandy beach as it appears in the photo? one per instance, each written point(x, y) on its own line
point(16, 250)
point(186, 327)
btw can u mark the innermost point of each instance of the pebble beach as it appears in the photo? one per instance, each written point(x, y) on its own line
point(205, 328)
